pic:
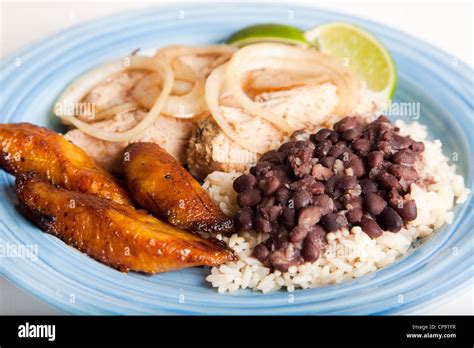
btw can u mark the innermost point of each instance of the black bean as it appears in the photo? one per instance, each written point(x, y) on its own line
point(370, 227)
point(270, 185)
point(306, 153)
point(302, 184)
point(322, 149)
point(244, 182)
point(322, 134)
point(281, 239)
point(273, 157)
point(351, 201)
point(299, 167)
point(287, 146)
point(330, 185)
point(338, 150)
point(354, 215)
point(249, 198)
point(351, 134)
point(282, 172)
point(418, 146)
point(261, 252)
point(262, 168)
point(374, 204)
point(316, 188)
point(279, 261)
point(283, 195)
point(357, 166)
point(395, 200)
point(334, 138)
point(346, 183)
point(299, 233)
point(266, 202)
point(244, 219)
point(348, 123)
point(382, 119)
point(327, 161)
point(385, 148)
point(388, 181)
point(374, 159)
point(368, 186)
point(387, 135)
point(362, 146)
point(333, 221)
point(389, 220)
point(338, 205)
point(311, 246)
point(309, 216)
point(301, 199)
point(320, 172)
point(399, 142)
point(271, 213)
point(407, 211)
point(262, 225)
point(405, 157)
point(408, 174)
point(288, 217)
point(324, 202)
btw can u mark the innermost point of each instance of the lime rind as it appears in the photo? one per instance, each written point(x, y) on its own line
point(312, 36)
point(268, 33)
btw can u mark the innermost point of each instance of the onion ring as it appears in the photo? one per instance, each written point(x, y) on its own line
point(76, 92)
point(290, 58)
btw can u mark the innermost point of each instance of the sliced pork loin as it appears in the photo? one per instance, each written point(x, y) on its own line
point(170, 133)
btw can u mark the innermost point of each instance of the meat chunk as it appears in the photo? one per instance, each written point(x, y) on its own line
point(211, 150)
point(170, 133)
point(114, 90)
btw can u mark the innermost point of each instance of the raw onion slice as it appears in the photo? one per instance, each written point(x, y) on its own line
point(111, 112)
point(174, 55)
point(182, 103)
point(77, 91)
point(214, 87)
point(292, 59)
point(187, 105)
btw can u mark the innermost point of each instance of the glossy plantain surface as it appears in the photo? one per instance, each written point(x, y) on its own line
point(162, 186)
point(25, 147)
point(115, 234)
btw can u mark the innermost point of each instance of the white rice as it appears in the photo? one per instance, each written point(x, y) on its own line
point(349, 254)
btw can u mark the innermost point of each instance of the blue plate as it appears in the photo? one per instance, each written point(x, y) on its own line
point(33, 78)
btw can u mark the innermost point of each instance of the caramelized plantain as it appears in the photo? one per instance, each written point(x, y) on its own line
point(112, 233)
point(163, 187)
point(25, 147)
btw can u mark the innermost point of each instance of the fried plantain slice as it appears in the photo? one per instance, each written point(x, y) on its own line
point(25, 147)
point(163, 187)
point(115, 234)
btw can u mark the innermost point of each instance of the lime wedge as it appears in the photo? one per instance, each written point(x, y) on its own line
point(268, 33)
point(360, 51)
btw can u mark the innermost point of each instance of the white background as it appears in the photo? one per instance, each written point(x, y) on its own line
point(446, 24)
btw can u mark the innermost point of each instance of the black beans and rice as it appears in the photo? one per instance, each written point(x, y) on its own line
point(354, 175)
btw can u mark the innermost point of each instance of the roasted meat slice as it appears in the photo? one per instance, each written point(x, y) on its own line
point(25, 147)
point(114, 234)
point(163, 187)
